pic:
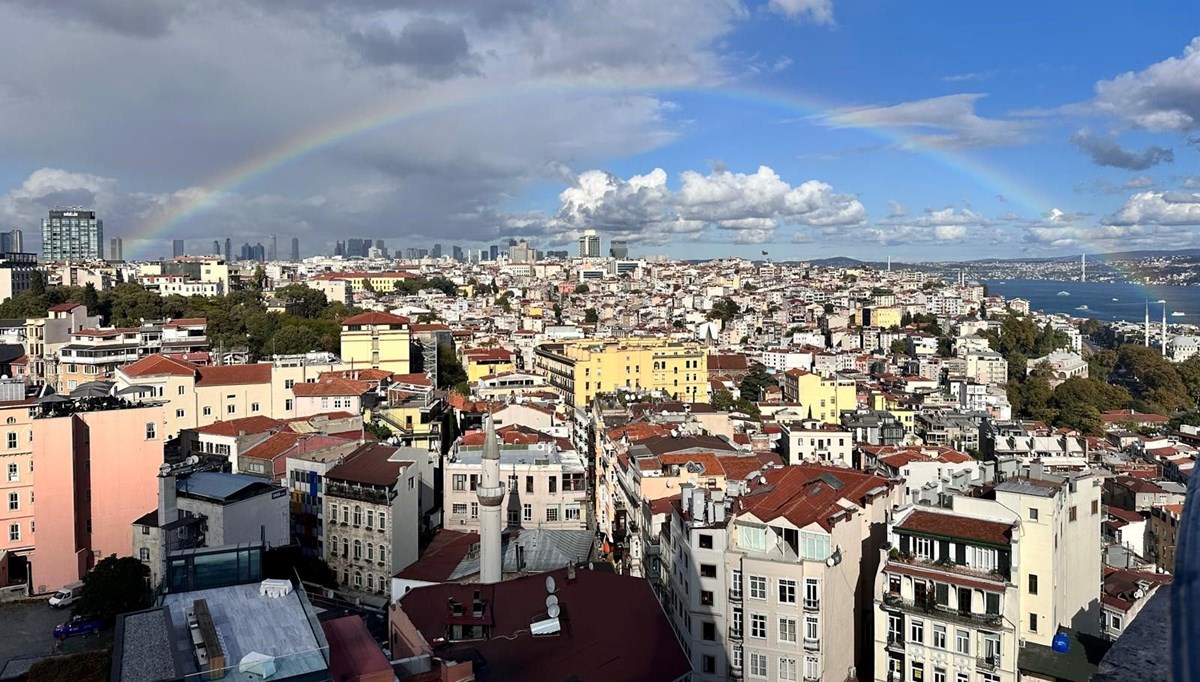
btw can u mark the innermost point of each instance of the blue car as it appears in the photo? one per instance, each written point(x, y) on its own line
point(79, 625)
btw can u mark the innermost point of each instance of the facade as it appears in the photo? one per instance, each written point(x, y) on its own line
point(94, 354)
point(481, 362)
point(371, 509)
point(1162, 535)
point(578, 370)
point(544, 488)
point(16, 272)
point(16, 481)
point(816, 441)
point(521, 253)
point(378, 341)
point(824, 397)
point(987, 367)
point(83, 457)
point(305, 477)
point(72, 235)
point(589, 245)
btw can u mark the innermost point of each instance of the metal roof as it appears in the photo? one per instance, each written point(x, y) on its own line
point(216, 485)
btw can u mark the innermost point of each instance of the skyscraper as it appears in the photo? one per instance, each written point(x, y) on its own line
point(11, 242)
point(437, 251)
point(177, 248)
point(216, 248)
point(339, 249)
point(116, 249)
point(522, 252)
point(356, 248)
point(589, 245)
point(456, 253)
point(493, 252)
point(228, 250)
point(72, 234)
point(295, 249)
point(272, 251)
point(619, 248)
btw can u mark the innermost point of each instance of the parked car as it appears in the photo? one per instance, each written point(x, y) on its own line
point(78, 625)
point(67, 595)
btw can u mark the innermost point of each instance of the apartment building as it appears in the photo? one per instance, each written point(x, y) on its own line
point(824, 397)
point(44, 336)
point(371, 507)
point(546, 488)
point(816, 442)
point(773, 577)
point(1162, 535)
point(16, 479)
point(376, 340)
point(195, 395)
point(578, 370)
point(987, 367)
point(85, 453)
point(94, 354)
point(482, 362)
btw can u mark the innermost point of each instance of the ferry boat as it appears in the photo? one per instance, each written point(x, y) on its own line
point(1082, 307)
point(1064, 293)
point(1178, 313)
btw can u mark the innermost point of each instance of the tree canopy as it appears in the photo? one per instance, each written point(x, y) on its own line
point(755, 383)
point(114, 586)
point(726, 310)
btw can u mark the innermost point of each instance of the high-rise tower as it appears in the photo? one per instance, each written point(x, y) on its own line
point(72, 234)
point(491, 495)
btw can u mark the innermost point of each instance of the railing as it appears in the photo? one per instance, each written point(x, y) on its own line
point(812, 644)
point(812, 604)
point(895, 641)
point(938, 611)
point(987, 662)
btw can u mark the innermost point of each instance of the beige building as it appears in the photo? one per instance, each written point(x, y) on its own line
point(578, 370)
point(377, 340)
point(773, 577)
point(987, 368)
point(545, 488)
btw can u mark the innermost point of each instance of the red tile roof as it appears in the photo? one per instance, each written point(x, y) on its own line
point(803, 493)
point(186, 322)
point(738, 467)
point(159, 365)
point(353, 653)
point(375, 317)
point(369, 464)
point(445, 552)
point(958, 527)
point(330, 386)
point(244, 425)
point(235, 375)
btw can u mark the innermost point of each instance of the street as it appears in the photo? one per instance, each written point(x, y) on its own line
point(28, 631)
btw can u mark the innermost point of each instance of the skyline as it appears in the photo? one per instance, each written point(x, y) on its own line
point(695, 128)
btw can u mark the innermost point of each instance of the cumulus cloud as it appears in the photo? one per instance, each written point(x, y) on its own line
point(431, 48)
point(133, 18)
point(1192, 182)
point(1106, 152)
point(742, 207)
point(1157, 208)
point(816, 11)
point(1163, 97)
point(948, 121)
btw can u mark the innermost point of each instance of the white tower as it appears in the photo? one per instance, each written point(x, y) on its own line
point(1164, 326)
point(491, 495)
point(1083, 267)
point(1147, 324)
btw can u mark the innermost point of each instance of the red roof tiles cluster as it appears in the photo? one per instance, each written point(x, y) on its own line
point(804, 494)
point(958, 527)
point(375, 317)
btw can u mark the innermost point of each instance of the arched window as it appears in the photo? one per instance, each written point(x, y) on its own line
point(345, 547)
point(370, 519)
point(370, 552)
point(358, 579)
point(357, 515)
point(382, 521)
point(382, 555)
point(333, 545)
point(358, 549)
point(371, 582)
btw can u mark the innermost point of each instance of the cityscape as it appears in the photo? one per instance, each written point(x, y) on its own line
point(566, 408)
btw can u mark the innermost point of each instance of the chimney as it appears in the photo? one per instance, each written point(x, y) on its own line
point(167, 508)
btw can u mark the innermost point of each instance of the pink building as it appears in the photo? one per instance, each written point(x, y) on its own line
point(96, 473)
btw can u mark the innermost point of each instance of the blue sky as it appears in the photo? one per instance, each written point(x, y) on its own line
point(931, 130)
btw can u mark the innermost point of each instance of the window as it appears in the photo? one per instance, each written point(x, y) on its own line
point(962, 642)
point(287, 404)
point(983, 558)
point(345, 547)
point(14, 532)
point(923, 548)
point(459, 481)
point(182, 390)
point(346, 514)
point(787, 669)
point(758, 665)
point(179, 414)
point(1033, 514)
point(787, 630)
point(735, 583)
point(371, 581)
point(708, 571)
point(939, 636)
point(358, 549)
point(288, 383)
point(812, 668)
point(527, 512)
point(787, 591)
point(553, 483)
point(736, 659)
point(144, 554)
point(571, 513)
point(754, 539)
point(382, 519)
point(708, 632)
point(992, 603)
point(474, 510)
point(758, 626)
point(382, 554)
point(14, 474)
point(991, 648)
point(370, 519)
point(1033, 584)
point(207, 411)
point(917, 672)
point(370, 551)
point(735, 624)
point(758, 587)
point(812, 593)
point(529, 484)
point(12, 440)
point(358, 515)
point(358, 579)
point(812, 629)
point(1095, 506)
point(916, 631)
point(232, 409)
point(151, 431)
point(551, 514)
point(459, 508)
point(814, 546)
point(254, 407)
point(14, 501)
point(962, 677)
point(1114, 621)
point(709, 664)
point(1033, 622)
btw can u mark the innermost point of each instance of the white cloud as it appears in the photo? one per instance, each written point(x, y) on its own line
point(1163, 97)
point(948, 121)
point(1157, 208)
point(816, 11)
point(974, 76)
point(743, 207)
point(1192, 182)
point(1140, 182)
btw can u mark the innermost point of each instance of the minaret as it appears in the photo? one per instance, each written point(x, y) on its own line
point(491, 496)
point(1164, 327)
point(1147, 324)
point(1083, 267)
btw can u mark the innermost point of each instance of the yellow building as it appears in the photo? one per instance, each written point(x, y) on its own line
point(825, 397)
point(378, 341)
point(482, 362)
point(578, 370)
point(358, 281)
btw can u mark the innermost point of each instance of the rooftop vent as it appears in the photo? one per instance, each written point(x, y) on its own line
point(273, 588)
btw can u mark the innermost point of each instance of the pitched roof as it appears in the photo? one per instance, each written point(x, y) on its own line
point(445, 552)
point(159, 365)
point(958, 527)
point(353, 653)
point(233, 427)
point(809, 493)
point(235, 375)
point(375, 317)
point(330, 386)
point(369, 464)
point(186, 322)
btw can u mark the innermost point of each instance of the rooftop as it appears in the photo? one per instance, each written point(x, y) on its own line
point(371, 464)
point(222, 487)
point(958, 527)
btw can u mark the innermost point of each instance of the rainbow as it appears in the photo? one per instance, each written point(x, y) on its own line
point(161, 224)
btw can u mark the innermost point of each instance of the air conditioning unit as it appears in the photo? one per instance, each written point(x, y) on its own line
point(1021, 643)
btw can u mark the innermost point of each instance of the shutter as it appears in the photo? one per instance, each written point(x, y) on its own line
point(944, 550)
point(960, 557)
point(905, 544)
point(1003, 562)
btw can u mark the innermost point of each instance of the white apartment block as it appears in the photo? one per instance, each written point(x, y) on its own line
point(816, 441)
point(546, 488)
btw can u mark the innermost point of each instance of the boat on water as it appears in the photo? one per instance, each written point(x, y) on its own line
point(1178, 313)
point(1082, 307)
point(1064, 293)
point(1116, 299)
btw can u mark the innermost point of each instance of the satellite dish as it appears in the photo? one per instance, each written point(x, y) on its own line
point(553, 611)
point(550, 584)
point(551, 601)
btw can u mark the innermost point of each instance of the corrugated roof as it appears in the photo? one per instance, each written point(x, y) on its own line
point(217, 485)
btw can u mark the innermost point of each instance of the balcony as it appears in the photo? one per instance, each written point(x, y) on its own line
point(812, 604)
point(895, 602)
point(735, 634)
point(812, 644)
point(895, 642)
point(735, 595)
point(988, 663)
point(735, 673)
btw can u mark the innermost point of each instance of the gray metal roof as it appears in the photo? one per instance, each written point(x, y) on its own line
point(1026, 487)
point(216, 485)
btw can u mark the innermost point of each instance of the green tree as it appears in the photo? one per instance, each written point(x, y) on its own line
point(312, 302)
point(725, 310)
point(828, 308)
point(898, 347)
point(590, 316)
point(377, 429)
point(582, 288)
point(37, 284)
point(1101, 364)
point(756, 382)
point(91, 298)
point(294, 339)
point(1158, 384)
point(450, 371)
point(114, 586)
point(722, 400)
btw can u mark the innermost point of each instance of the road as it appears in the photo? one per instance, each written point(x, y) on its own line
point(28, 631)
